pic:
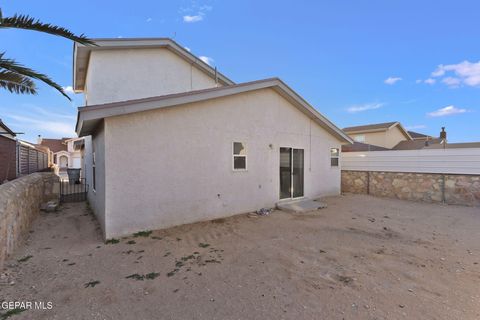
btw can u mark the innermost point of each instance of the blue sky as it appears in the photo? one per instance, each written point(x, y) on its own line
point(357, 62)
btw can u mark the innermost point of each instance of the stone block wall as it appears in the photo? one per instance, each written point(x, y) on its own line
point(428, 187)
point(20, 202)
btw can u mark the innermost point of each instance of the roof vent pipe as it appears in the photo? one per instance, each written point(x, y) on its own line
point(443, 134)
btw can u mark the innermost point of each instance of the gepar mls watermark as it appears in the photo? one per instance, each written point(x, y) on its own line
point(26, 305)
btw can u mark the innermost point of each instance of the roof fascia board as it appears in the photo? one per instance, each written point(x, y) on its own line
point(136, 43)
point(93, 113)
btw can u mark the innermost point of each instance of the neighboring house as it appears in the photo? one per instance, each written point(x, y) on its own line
point(66, 151)
point(8, 153)
point(419, 136)
point(386, 135)
point(169, 140)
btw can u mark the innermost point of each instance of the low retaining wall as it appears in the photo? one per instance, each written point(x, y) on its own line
point(20, 202)
point(429, 187)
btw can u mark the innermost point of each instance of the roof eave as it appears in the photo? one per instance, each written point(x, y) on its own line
point(89, 117)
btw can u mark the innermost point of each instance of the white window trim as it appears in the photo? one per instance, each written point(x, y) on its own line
point(359, 138)
point(239, 155)
point(335, 157)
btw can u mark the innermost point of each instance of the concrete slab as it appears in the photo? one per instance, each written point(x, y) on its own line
point(300, 206)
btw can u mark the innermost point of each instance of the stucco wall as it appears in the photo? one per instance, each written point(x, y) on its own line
point(20, 202)
point(386, 139)
point(428, 187)
point(174, 166)
point(96, 194)
point(125, 74)
point(393, 137)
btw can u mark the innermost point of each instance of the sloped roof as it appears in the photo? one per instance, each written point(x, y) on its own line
point(7, 129)
point(55, 145)
point(359, 146)
point(90, 116)
point(81, 56)
point(370, 127)
point(455, 145)
point(377, 127)
point(416, 144)
point(417, 135)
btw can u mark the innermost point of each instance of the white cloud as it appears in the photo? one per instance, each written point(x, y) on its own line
point(68, 89)
point(192, 19)
point(364, 107)
point(465, 73)
point(430, 81)
point(195, 12)
point(447, 111)
point(55, 127)
point(417, 126)
point(452, 82)
point(392, 80)
point(206, 59)
point(149, 19)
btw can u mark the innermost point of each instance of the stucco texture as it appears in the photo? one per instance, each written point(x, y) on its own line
point(125, 74)
point(174, 166)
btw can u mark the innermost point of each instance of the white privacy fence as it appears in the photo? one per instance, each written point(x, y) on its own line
point(454, 161)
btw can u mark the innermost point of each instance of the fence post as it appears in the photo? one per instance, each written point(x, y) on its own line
point(443, 188)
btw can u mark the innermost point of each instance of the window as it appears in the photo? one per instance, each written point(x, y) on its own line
point(359, 138)
point(94, 173)
point(334, 155)
point(239, 156)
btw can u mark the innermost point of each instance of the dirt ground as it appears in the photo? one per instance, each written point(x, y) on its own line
point(361, 258)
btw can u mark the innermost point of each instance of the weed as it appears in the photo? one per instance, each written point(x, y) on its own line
point(112, 241)
point(136, 276)
point(131, 242)
point(167, 254)
point(12, 312)
point(186, 258)
point(203, 245)
point(152, 275)
point(91, 283)
point(145, 233)
point(24, 259)
point(156, 238)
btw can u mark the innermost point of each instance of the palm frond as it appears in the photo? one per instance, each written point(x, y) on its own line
point(12, 65)
point(16, 83)
point(26, 22)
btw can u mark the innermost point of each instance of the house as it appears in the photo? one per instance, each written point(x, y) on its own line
point(386, 135)
point(170, 140)
point(8, 153)
point(66, 152)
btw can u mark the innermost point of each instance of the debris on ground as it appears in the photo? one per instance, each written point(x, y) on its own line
point(264, 211)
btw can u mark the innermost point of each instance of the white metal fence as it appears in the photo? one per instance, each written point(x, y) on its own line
point(454, 161)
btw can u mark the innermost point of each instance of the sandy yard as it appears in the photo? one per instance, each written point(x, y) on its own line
point(361, 258)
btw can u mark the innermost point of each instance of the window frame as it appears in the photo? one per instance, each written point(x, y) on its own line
point(335, 157)
point(356, 138)
point(239, 155)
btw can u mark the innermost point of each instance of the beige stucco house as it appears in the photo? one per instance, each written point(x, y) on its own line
point(385, 135)
point(169, 140)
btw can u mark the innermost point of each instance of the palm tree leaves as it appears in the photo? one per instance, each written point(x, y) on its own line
point(28, 23)
point(16, 83)
point(17, 78)
point(15, 68)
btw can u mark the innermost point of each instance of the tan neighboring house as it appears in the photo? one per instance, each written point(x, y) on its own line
point(386, 135)
point(169, 140)
point(64, 153)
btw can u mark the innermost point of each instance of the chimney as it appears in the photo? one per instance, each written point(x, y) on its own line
point(443, 134)
point(39, 139)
